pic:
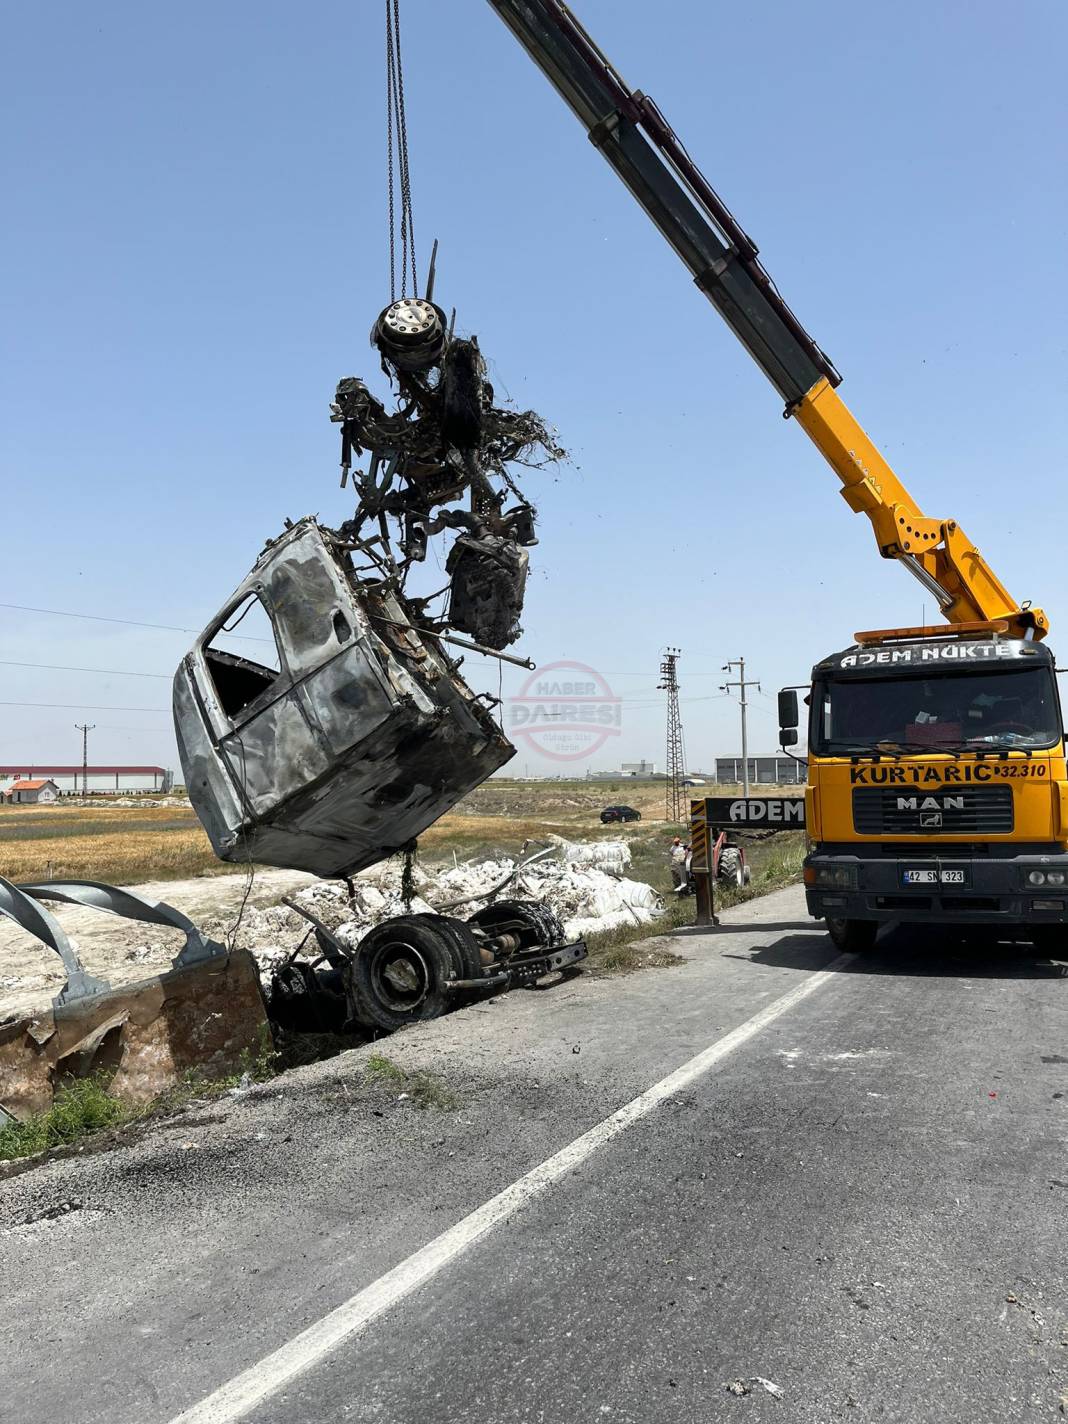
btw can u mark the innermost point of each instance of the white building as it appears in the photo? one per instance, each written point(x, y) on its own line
point(97, 780)
point(31, 793)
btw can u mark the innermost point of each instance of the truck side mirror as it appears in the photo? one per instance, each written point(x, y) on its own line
point(788, 717)
point(787, 737)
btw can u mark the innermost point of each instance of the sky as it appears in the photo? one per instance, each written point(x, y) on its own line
point(196, 247)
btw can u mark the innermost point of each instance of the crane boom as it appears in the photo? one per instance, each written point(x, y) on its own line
point(639, 144)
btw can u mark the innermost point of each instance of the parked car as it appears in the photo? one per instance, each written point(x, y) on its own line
point(619, 813)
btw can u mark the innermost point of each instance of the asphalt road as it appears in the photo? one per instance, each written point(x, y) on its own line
point(858, 1196)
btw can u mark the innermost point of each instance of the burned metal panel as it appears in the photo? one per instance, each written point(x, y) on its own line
point(365, 737)
point(488, 584)
point(141, 1039)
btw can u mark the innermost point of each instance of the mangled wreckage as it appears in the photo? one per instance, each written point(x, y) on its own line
point(359, 732)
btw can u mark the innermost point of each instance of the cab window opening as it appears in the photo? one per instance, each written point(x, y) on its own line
point(242, 656)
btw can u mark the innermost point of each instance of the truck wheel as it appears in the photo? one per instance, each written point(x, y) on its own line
point(852, 936)
point(730, 870)
point(397, 973)
point(534, 922)
point(463, 946)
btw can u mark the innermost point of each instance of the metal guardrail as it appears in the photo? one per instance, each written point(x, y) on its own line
point(20, 903)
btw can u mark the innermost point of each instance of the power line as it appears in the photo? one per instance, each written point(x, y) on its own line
point(126, 622)
point(62, 667)
point(85, 707)
point(97, 618)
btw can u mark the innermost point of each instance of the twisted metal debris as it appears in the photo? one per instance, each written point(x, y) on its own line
point(447, 442)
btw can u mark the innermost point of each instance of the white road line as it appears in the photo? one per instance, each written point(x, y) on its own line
point(235, 1399)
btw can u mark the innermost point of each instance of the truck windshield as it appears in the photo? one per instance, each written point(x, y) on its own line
point(982, 711)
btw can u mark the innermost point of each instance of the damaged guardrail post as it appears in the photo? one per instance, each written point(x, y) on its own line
point(96, 895)
point(18, 904)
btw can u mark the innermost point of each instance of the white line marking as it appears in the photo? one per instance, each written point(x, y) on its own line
point(235, 1399)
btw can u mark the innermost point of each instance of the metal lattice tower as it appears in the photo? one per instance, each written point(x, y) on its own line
point(85, 728)
point(676, 770)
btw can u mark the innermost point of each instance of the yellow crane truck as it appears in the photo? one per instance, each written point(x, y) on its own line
point(937, 790)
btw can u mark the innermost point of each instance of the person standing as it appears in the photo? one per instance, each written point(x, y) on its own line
point(680, 874)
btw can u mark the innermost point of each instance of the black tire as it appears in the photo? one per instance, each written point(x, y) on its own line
point(537, 924)
point(463, 946)
point(307, 999)
point(852, 936)
point(731, 871)
point(397, 974)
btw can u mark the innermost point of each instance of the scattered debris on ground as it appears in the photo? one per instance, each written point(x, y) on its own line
point(745, 1386)
point(583, 884)
point(397, 945)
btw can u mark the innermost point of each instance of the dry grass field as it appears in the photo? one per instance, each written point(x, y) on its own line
point(129, 844)
point(121, 844)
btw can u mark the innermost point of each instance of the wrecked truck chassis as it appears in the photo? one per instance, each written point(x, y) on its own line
point(525, 970)
point(412, 968)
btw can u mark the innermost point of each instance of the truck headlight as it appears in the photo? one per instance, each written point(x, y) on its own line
point(1036, 877)
point(829, 877)
point(1054, 877)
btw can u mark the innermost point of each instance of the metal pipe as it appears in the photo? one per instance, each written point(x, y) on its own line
point(459, 642)
point(491, 983)
point(930, 583)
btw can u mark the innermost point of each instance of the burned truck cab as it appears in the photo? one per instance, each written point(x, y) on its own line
point(339, 736)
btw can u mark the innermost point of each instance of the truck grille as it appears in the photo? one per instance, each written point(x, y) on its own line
point(898, 810)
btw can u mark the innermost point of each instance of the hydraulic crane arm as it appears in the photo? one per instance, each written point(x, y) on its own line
point(634, 137)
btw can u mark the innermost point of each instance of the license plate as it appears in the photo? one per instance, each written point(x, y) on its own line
point(928, 876)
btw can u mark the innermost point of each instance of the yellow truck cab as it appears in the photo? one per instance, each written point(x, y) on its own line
point(937, 788)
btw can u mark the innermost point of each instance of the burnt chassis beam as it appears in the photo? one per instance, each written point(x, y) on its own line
point(525, 967)
point(20, 903)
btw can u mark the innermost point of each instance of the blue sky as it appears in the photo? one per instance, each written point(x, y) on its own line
point(196, 247)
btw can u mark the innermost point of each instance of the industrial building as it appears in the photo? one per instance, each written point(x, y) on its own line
point(763, 771)
point(98, 780)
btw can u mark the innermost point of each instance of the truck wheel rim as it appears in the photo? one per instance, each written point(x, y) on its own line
point(400, 976)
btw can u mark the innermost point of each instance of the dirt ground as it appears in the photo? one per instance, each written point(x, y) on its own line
point(123, 951)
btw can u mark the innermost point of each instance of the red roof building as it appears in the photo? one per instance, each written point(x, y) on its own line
point(31, 792)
